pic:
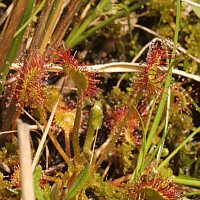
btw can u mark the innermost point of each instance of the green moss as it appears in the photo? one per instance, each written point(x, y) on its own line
point(104, 190)
point(117, 97)
point(127, 160)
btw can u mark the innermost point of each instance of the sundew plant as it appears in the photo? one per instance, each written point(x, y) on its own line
point(86, 144)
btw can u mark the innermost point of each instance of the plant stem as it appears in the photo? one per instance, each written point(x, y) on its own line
point(191, 194)
point(75, 138)
point(67, 144)
point(154, 152)
point(88, 141)
point(142, 154)
point(185, 181)
point(166, 127)
point(60, 150)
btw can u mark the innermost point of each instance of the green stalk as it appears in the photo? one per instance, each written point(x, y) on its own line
point(166, 123)
point(166, 127)
point(128, 17)
point(138, 114)
point(60, 150)
point(76, 26)
point(88, 140)
point(155, 151)
point(142, 154)
point(75, 138)
point(160, 127)
point(142, 148)
point(178, 148)
point(191, 194)
point(87, 22)
point(103, 24)
point(189, 182)
point(28, 20)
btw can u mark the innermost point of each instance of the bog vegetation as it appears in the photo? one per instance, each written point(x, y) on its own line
point(124, 127)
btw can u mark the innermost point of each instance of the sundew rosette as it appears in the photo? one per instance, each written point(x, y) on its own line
point(149, 80)
point(29, 88)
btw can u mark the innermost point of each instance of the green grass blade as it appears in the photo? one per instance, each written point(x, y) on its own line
point(141, 156)
point(192, 182)
point(87, 22)
point(142, 152)
point(191, 194)
point(103, 24)
point(138, 114)
point(128, 18)
point(29, 19)
point(166, 126)
point(155, 151)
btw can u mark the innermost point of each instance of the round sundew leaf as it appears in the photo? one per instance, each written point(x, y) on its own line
point(152, 194)
point(77, 76)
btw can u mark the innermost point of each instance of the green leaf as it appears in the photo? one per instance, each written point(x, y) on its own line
point(79, 183)
point(36, 178)
point(54, 191)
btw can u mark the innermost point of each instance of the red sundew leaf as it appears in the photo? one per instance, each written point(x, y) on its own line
point(154, 187)
point(81, 73)
point(115, 116)
point(30, 90)
point(149, 80)
point(181, 100)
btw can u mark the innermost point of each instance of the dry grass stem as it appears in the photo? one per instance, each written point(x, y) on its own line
point(121, 67)
point(191, 3)
point(25, 160)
